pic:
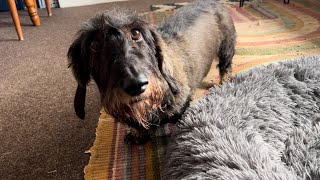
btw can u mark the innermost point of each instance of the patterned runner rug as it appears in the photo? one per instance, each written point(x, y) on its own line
point(268, 31)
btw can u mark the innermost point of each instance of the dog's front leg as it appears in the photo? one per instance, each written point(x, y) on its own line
point(137, 135)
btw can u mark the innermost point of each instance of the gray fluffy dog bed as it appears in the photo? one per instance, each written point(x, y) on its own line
point(263, 124)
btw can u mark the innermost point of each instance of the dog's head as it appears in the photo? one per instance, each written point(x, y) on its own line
point(122, 53)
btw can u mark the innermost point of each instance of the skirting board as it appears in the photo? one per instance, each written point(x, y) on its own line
point(73, 3)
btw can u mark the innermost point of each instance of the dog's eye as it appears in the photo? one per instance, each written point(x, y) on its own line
point(136, 35)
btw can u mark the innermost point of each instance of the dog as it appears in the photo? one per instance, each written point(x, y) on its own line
point(146, 75)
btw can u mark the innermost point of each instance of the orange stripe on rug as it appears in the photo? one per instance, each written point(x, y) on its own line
point(247, 65)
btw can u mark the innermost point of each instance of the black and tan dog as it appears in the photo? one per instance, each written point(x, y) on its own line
point(146, 75)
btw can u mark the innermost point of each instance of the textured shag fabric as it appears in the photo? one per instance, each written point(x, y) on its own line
point(263, 124)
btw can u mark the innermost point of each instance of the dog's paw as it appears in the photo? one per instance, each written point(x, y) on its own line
point(134, 139)
point(227, 77)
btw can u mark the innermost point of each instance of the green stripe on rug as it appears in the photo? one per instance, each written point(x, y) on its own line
point(309, 46)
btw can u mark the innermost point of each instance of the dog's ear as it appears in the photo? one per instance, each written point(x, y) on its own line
point(79, 57)
point(79, 101)
point(167, 75)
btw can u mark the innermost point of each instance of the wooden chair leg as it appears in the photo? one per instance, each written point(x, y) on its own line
point(32, 9)
point(48, 5)
point(15, 17)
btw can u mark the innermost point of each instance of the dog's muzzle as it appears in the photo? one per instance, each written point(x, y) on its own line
point(135, 86)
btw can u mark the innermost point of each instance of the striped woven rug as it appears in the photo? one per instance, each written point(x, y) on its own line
point(268, 31)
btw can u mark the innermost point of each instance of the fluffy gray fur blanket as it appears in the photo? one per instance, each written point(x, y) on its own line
point(263, 124)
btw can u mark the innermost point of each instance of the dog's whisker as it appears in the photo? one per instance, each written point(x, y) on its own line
point(154, 125)
point(162, 108)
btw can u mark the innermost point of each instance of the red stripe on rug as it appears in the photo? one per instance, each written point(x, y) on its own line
point(236, 18)
point(135, 162)
point(313, 35)
point(244, 13)
point(110, 170)
point(120, 155)
point(142, 164)
point(128, 167)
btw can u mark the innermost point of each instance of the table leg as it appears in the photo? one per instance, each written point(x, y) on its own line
point(32, 9)
point(48, 5)
point(15, 18)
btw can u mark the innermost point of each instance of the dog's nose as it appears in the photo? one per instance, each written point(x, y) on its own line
point(136, 86)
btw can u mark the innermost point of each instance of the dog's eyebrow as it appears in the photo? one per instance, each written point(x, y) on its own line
point(138, 24)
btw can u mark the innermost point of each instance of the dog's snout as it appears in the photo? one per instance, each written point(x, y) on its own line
point(135, 86)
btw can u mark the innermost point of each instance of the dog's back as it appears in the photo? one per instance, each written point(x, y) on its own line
point(176, 25)
point(198, 32)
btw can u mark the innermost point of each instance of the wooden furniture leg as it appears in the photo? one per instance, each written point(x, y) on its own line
point(32, 9)
point(48, 5)
point(15, 18)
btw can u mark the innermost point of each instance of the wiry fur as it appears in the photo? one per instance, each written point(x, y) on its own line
point(174, 57)
point(140, 109)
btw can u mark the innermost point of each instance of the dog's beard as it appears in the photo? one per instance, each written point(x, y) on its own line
point(140, 109)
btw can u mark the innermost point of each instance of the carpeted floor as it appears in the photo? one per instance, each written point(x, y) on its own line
point(40, 136)
point(267, 32)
